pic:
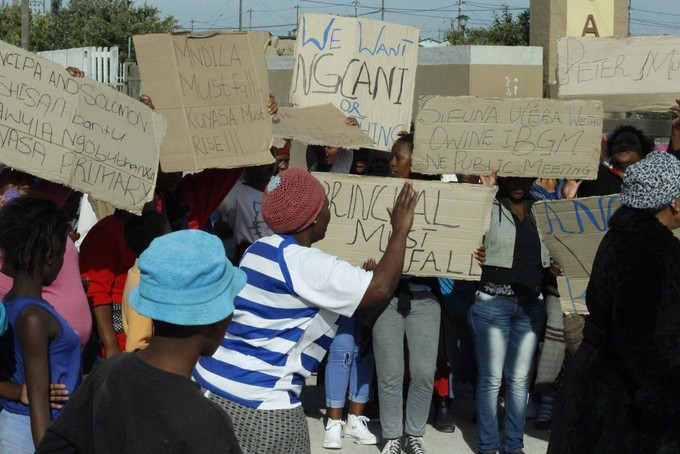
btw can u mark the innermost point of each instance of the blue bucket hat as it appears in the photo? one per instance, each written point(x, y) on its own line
point(186, 279)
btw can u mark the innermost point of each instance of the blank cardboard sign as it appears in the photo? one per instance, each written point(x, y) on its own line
point(318, 125)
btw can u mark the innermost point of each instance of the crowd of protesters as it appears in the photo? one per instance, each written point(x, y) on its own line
point(198, 322)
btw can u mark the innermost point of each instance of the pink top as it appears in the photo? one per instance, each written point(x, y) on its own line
point(65, 294)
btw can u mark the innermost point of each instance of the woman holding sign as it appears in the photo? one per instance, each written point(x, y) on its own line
point(414, 313)
point(621, 393)
point(508, 314)
point(285, 317)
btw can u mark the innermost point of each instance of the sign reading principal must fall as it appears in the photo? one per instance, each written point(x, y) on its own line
point(213, 90)
point(366, 68)
point(519, 137)
point(76, 131)
point(450, 221)
point(639, 73)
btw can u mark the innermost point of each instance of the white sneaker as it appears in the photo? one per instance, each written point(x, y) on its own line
point(357, 429)
point(332, 439)
point(392, 447)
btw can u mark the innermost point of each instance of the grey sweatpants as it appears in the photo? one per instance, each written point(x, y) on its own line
point(421, 327)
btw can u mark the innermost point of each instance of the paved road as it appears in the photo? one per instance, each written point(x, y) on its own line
point(463, 440)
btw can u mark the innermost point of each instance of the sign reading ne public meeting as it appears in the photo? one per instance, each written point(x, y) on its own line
point(520, 137)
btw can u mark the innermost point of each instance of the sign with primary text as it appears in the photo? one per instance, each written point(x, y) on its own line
point(77, 131)
point(520, 137)
point(213, 90)
point(366, 68)
point(318, 125)
point(450, 221)
point(639, 73)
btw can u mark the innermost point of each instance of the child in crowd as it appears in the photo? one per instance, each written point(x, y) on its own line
point(40, 347)
point(145, 401)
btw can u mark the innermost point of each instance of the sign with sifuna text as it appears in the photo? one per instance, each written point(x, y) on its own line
point(366, 68)
point(213, 90)
point(634, 74)
point(76, 131)
point(450, 221)
point(529, 137)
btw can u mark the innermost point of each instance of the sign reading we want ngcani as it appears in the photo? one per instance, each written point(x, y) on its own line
point(76, 131)
point(366, 68)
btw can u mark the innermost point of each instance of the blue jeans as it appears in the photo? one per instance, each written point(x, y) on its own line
point(345, 368)
point(506, 334)
point(15, 434)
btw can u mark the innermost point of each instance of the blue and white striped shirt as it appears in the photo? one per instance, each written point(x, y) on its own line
point(283, 324)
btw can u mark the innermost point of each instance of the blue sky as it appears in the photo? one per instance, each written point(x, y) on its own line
point(432, 16)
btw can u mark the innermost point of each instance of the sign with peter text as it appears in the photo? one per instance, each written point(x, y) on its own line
point(366, 68)
point(450, 221)
point(76, 131)
point(639, 73)
point(529, 137)
point(213, 90)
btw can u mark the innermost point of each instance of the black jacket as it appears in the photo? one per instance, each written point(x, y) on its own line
point(622, 389)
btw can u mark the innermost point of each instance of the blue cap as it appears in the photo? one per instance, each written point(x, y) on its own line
point(186, 279)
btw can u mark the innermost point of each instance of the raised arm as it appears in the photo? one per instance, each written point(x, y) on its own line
point(388, 270)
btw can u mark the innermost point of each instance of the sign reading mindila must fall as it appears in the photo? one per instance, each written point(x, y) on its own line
point(76, 131)
point(366, 68)
point(450, 221)
point(213, 90)
point(519, 137)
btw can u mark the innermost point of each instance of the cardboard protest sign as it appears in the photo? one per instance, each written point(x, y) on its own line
point(639, 73)
point(450, 221)
point(365, 67)
point(76, 131)
point(573, 228)
point(521, 137)
point(573, 294)
point(213, 91)
point(319, 125)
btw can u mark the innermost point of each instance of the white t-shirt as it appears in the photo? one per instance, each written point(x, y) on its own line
point(283, 324)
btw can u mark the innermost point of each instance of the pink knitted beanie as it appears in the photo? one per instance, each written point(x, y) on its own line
point(292, 201)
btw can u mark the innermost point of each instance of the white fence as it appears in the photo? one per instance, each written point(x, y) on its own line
point(99, 63)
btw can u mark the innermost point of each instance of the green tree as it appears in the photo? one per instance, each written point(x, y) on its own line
point(100, 23)
point(505, 30)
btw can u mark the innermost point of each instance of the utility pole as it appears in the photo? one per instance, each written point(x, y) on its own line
point(24, 24)
point(240, 15)
point(459, 11)
point(356, 2)
point(382, 11)
point(629, 13)
point(250, 20)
